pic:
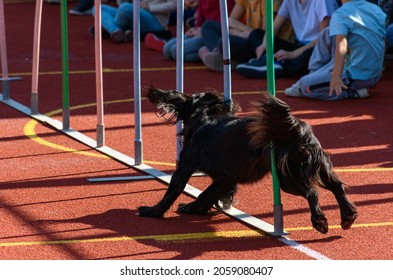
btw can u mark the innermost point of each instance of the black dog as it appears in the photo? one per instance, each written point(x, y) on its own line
point(234, 150)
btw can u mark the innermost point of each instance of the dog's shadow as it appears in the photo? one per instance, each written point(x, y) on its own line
point(182, 237)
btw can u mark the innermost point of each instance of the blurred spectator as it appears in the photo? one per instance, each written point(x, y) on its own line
point(348, 57)
point(308, 18)
point(154, 17)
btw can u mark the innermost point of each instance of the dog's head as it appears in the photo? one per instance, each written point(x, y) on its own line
point(183, 107)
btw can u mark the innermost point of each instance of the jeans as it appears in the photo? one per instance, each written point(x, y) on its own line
point(191, 47)
point(389, 35)
point(121, 18)
point(240, 48)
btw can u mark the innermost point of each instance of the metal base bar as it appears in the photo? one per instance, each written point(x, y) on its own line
point(120, 178)
point(128, 161)
point(5, 84)
point(132, 178)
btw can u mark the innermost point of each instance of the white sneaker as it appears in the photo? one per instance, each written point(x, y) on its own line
point(293, 91)
point(363, 93)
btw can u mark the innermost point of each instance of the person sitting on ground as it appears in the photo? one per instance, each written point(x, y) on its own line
point(308, 18)
point(154, 17)
point(82, 7)
point(205, 10)
point(246, 21)
point(348, 58)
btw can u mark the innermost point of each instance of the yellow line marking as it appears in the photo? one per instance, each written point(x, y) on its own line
point(374, 169)
point(179, 237)
point(109, 70)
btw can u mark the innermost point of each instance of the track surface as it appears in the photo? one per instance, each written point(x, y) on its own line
point(48, 209)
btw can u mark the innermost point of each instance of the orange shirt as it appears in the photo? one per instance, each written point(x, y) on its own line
point(255, 16)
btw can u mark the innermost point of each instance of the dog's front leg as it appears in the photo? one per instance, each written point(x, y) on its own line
point(177, 184)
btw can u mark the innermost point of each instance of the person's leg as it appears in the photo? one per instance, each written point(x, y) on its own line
point(389, 37)
point(149, 23)
point(167, 50)
point(323, 51)
point(316, 85)
point(255, 39)
point(108, 14)
point(124, 16)
point(240, 49)
point(191, 48)
point(211, 33)
point(257, 68)
point(297, 66)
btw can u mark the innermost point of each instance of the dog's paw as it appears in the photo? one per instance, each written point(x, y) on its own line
point(191, 209)
point(146, 211)
point(321, 224)
point(348, 221)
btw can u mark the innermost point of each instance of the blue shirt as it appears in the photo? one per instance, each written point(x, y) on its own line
point(363, 24)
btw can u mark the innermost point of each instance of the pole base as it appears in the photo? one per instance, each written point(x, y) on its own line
point(138, 152)
point(278, 220)
point(100, 135)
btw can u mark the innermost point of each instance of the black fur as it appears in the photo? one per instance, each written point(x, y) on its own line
point(234, 150)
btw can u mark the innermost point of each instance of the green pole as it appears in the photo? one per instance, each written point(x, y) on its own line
point(271, 88)
point(64, 48)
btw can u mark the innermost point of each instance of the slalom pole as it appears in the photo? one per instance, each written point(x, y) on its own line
point(138, 145)
point(65, 72)
point(226, 50)
point(99, 80)
point(3, 53)
point(36, 57)
point(179, 69)
point(277, 207)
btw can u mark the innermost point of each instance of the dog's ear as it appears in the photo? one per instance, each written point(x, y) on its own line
point(169, 102)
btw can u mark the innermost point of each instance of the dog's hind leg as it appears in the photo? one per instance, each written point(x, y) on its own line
point(348, 210)
point(318, 218)
point(177, 184)
point(203, 203)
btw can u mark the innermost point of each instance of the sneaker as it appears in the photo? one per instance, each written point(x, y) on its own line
point(257, 68)
point(118, 36)
point(293, 91)
point(153, 42)
point(202, 52)
point(128, 36)
point(83, 7)
point(104, 33)
point(213, 60)
point(362, 93)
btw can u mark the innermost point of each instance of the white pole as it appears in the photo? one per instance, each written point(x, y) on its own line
point(36, 57)
point(226, 50)
point(99, 79)
point(4, 65)
point(137, 85)
point(179, 68)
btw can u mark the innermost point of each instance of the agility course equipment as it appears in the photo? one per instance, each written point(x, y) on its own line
point(99, 143)
point(5, 79)
point(271, 88)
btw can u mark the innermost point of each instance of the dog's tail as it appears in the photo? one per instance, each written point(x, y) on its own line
point(273, 122)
